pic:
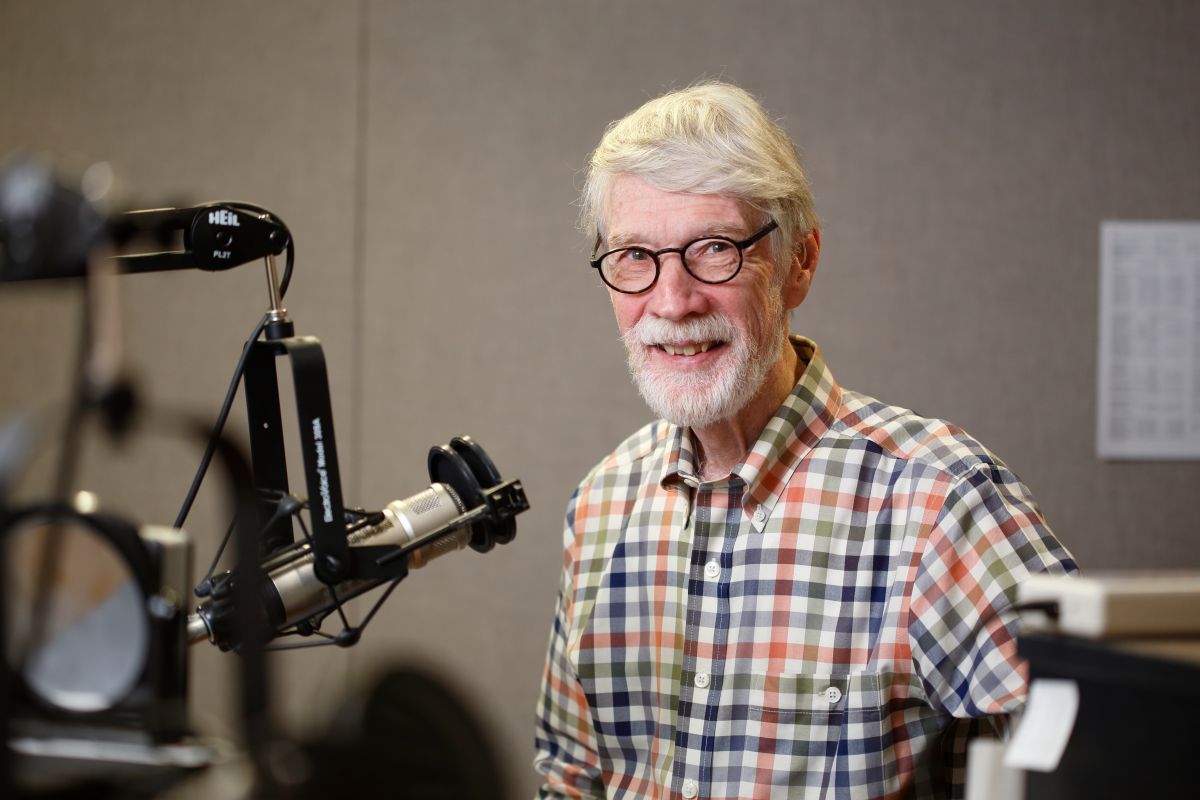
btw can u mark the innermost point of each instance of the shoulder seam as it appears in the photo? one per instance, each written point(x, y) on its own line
point(923, 455)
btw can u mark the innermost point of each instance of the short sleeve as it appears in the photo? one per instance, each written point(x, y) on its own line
point(988, 536)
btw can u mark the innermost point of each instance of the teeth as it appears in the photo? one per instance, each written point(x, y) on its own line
point(686, 349)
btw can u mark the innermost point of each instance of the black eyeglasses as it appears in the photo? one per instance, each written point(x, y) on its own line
point(713, 259)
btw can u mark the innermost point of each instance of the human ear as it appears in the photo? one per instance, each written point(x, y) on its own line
point(805, 255)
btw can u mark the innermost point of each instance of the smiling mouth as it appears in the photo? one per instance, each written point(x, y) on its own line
point(688, 349)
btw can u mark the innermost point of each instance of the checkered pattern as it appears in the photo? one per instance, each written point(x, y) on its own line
point(824, 623)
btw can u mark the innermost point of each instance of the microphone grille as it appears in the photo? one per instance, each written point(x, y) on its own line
point(423, 504)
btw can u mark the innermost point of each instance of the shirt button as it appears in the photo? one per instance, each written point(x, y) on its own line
point(833, 694)
point(701, 680)
point(690, 789)
point(712, 569)
point(760, 515)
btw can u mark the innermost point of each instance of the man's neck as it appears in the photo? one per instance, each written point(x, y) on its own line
point(723, 445)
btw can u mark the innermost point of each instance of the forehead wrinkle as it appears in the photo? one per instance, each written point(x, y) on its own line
point(626, 192)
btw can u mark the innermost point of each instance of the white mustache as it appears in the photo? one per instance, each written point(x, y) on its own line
point(655, 331)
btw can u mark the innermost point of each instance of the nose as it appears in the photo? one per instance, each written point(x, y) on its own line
point(677, 294)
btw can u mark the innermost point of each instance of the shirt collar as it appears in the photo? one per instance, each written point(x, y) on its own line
point(805, 416)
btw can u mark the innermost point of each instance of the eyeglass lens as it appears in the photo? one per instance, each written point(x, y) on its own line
point(710, 260)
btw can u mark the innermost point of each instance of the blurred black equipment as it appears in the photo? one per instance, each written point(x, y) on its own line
point(409, 735)
point(111, 644)
point(47, 230)
point(59, 705)
point(95, 646)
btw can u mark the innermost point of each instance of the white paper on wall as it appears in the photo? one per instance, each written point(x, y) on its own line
point(1148, 403)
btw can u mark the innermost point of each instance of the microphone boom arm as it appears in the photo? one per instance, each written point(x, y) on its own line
point(216, 237)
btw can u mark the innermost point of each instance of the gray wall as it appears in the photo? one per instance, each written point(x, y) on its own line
point(427, 157)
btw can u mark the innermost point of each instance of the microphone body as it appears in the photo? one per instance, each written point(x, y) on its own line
point(293, 593)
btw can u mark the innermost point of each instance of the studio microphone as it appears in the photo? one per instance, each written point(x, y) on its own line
point(451, 514)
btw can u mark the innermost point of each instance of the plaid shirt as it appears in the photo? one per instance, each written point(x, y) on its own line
point(825, 622)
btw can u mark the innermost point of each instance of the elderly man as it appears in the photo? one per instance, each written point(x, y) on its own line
point(783, 588)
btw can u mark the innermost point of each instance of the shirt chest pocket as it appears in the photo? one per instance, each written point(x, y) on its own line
point(815, 733)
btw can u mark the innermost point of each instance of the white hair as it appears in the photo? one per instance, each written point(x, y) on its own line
point(711, 138)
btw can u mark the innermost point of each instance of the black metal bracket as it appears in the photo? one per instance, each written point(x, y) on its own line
point(318, 444)
point(506, 500)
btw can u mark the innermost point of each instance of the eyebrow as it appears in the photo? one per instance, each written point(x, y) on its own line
point(730, 230)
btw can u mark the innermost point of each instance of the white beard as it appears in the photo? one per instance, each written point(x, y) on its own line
point(698, 398)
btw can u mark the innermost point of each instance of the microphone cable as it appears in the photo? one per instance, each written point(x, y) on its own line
point(219, 426)
point(238, 372)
